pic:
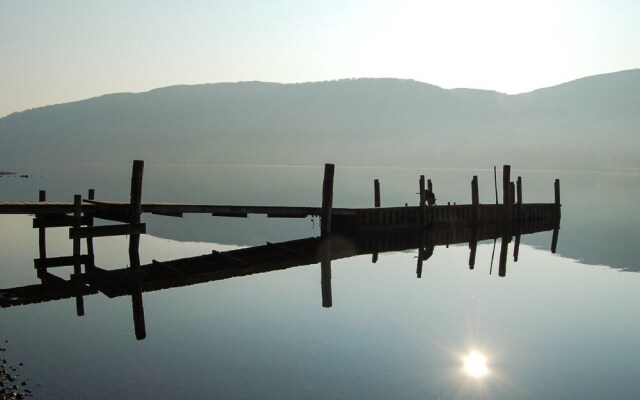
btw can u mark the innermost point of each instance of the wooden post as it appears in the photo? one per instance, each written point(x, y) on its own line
point(327, 199)
point(77, 215)
point(519, 196)
point(135, 209)
point(506, 186)
point(556, 187)
point(429, 185)
point(42, 233)
point(516, 248)
point(475, 199)
point(77, 266)
point(512, 192)
point(376, 193)
point(423, 205)
point(91, 196)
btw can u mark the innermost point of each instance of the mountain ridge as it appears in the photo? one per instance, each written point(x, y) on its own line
point(588, 122)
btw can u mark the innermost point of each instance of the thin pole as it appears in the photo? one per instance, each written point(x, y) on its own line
point(495, 182)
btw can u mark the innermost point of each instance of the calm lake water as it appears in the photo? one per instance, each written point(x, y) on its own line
point(561, 326)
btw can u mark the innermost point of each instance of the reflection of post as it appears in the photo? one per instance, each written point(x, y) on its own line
point(325, 271)
point(42, 233)
point(138, 314)
point(473, 245)
point(327, 199)
point(516, 247)
point(554, 240)
point(421, 255)
point(376, 193)
point(504, 250)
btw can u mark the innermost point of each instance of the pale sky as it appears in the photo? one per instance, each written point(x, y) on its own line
point(60, 51)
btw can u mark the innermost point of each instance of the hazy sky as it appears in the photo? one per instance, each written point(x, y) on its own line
point(59, 51)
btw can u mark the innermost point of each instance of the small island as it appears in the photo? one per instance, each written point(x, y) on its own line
point(2, 173)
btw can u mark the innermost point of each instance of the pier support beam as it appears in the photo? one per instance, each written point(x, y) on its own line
point(42, 233)
point(376, 193)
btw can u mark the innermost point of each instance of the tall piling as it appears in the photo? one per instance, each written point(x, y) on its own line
point(376, 193)
point(475, 199)
point(327, 199)
point(506, 186)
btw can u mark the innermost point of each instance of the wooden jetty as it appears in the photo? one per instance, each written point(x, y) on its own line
point(345, 232)
point(55, 213)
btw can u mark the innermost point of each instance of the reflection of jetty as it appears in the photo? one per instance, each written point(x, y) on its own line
point(160, 275)
point(344, 233)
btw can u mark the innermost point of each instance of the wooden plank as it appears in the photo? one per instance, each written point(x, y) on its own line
point(107, 230)
point(53, 262)
point(57, 220)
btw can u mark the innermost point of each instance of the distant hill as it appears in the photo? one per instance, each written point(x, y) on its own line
point(588, 123)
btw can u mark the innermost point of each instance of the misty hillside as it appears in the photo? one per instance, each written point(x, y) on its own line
point(588, 123)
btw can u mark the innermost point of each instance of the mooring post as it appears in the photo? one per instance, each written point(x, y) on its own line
point(91, 196)
point(77, 266)
point(512, 192)
point(506, 185)
point(42, 233)
point(429, 185)
point(77, 221)
point(423, 205)
point(135, 209)
point(376, 193)
point(327, 199)
point(556, 190)
point(519, 196)
point(475, 199)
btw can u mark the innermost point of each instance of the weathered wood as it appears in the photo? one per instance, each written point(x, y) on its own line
point(77, 215)
point(475, 199)
point(136, 191)
point(42, 233)
point(376, 193)
point(107, 230)
point(57, 221)
point(327, 199)
point(423, 205)
point(506, 186)
point(429, 185)
point(556, 187)
point(53, 262)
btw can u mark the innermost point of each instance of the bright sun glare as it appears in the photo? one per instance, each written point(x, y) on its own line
point(475, 364)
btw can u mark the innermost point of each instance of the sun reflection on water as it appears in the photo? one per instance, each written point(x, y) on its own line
point(475, 365)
